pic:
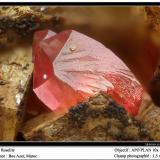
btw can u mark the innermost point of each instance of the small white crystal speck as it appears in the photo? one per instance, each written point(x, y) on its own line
point(72, 47)
point(18, 98)
point(44, 76)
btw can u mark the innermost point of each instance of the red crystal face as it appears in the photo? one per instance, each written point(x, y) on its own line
point(69, 67)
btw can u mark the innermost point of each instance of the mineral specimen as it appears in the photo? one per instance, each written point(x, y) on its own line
point(69, 67)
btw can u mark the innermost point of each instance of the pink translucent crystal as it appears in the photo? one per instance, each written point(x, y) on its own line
point(69, 67)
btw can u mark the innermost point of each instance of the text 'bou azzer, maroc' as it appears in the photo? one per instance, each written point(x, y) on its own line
point(22, 156)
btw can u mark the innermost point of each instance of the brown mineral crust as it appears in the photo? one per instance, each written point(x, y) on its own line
point(17, 24)
point(150, 120)
point(87, 121)
point(153, 20)
point(15, 74)
point(149, 117)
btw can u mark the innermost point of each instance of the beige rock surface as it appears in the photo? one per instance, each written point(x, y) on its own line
point(15, 73)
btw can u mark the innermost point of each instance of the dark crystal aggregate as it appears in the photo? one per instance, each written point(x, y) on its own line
point(77, 115)
point(115, 127)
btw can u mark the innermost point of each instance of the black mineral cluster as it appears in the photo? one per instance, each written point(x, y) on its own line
point(110, 118)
